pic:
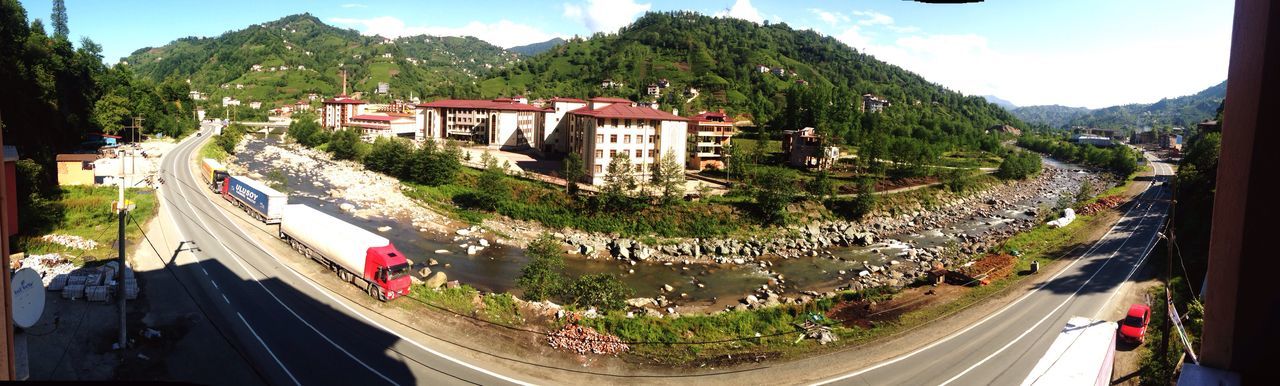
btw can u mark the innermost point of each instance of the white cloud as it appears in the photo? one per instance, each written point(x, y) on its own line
point(832, 18)
point(354, 5)
point(503, 33)
point(873, 18)
point(605, 15)
point(742, 9)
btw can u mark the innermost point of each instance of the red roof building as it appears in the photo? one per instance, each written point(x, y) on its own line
point(612, 128)
point(500, 123)
point(339, 110)
point(713, 131)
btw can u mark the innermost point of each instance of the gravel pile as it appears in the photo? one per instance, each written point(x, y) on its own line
point(583, 340)
point(70, 241)
point(48, 266)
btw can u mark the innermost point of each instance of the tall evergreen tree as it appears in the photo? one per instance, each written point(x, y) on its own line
point(59, 19)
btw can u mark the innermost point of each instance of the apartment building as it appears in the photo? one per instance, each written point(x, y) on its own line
point(609, 128)
point(386, 125)
point(501, 123)
point(338, 111)
point(712, 132)
point(555, 129)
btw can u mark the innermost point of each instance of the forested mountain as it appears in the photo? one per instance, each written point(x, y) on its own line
point(299, 54)
point(785, 78)
point(1181, 111)
point(536, 48)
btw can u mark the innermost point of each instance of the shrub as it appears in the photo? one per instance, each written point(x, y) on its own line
point(603, 291)
point(542, 278)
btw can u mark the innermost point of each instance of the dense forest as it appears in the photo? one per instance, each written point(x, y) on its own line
point(412, 66)
point(1183, 111)
point(812, 80)
point(55, 92)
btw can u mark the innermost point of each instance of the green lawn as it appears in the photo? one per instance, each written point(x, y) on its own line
point(86, 212)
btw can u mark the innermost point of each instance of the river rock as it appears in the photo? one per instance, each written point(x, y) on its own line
point(384, 228)
point(436, 280)
point(484, 242)
point(347, 207)
point(432, 262)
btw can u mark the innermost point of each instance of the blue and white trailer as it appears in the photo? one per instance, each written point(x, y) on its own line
point(256, 198)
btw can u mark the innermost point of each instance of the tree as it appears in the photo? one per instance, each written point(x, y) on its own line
point(306, 131)
point(603, 291)
point(388, 155)
point(572, 172)
point(59, 19)
point(619, 182)
point(668, 177)
point(109, 112)
point(542, 279)
point(865, 201)
point(343, 144)
point(774, 189)
point(1019, 165)
point(821, 186)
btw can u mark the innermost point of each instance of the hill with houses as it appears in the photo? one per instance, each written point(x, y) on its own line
point(281, 61)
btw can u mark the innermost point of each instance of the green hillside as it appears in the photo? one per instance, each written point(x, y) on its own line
point(1181, 111)
point(418, 65)
point(821, 87)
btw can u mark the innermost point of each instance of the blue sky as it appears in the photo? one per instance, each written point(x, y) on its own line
point(1091, 53)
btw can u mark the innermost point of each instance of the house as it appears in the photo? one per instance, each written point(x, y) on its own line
point(196, 95)
point(802, 82)
point(609, 83)
point(301, 67)
point(1171, 141)
point(200, 114)
point(387, 55)
point(386, 125)
point(664, 83)
point(1004, 129)
point(383, 87)
point(255, 105)
point(1091, 139)
point(338, 110)
point(760, 68)
point(302, 105)
point(653, 89)
point(609, 128)
point(805, 148)
point(239, 86)
point(229, 101)
point(312, 96)
point(499, 123)
point(1209, 126)
point(76, 169)
point(873, 104)
point(256, 67)
point(712, 133)
point(780, 71)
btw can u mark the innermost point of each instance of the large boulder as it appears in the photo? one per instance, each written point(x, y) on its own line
point(436, 280)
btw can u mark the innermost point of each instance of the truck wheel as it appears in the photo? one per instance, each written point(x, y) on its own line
point(373, 290)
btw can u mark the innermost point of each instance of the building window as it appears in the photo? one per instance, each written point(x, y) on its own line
point(599, 138)
point(614, 121)
point(613, 153)
point(598, 168)
point(638, 154)
point(627, 122)
point(599, 153)
point(626, 138)
point(652, 138)
point(613, 138)
point(653, 154)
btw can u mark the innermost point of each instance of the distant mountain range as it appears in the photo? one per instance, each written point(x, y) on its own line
point(1007, 105)
point(1181, 111)
point(536, 48)
point(299, 54)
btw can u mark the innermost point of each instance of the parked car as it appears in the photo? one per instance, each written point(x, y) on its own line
point(1134, 327)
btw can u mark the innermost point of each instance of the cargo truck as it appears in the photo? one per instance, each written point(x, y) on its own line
point(213, 173)
point(256, 198)
point(1083, 354)
point(360, 257)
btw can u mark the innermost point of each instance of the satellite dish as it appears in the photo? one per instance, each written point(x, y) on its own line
point(28, 297)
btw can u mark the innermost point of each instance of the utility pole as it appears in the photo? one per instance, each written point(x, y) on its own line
point(120, 239)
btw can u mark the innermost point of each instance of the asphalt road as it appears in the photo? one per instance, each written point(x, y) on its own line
point(1002, 348)
point(298, 333)
point(292, 330)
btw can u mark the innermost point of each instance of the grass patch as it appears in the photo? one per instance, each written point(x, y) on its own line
point(465, 300)
point(85, 211)
point(211, 149)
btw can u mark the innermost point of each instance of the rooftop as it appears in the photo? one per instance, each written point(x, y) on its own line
point(627, 111)
point(342, 99)
point(77, 157)
point(496, 104)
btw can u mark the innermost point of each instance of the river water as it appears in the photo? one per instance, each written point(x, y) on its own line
point(496, 268)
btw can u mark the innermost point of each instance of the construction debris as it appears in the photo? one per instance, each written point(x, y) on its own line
point(1102, 204)
point(70, 241)
point(583, 340)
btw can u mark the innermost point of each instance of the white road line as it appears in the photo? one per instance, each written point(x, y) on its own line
point(206, 273)
point(224, 298)
point(273, 354)
point(1096, 244)
point(273, 295)
point(215, 284)
point(325, 292)
point(1055, 309)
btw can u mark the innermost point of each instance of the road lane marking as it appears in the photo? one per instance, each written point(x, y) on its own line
point(325, 292)
point(273, 354)
point(1069, 299)
point(224, 298)
point(236, 258)
point(215, 284)
point(1096, 244)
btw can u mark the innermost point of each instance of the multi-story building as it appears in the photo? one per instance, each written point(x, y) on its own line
point(555, 130)
point(711, 133)
point(874, 104)
point(608, 128)
point(339, 110)
point(500, 123)
point(805, 148)
point(386, 125)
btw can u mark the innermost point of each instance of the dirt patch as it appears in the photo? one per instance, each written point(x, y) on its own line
point(984, 270)
point(866, 314)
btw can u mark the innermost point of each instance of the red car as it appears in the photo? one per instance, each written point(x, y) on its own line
point(1134, 327)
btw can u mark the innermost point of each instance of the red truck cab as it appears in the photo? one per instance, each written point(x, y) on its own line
point(389, 269)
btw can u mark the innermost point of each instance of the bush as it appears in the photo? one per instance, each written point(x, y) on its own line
point(959, 180)
point(602, 291)
point(305, 131)
point(343, 144)
point(773, 188)
point(542, 278)
point(388, 155)
point(1019, 165)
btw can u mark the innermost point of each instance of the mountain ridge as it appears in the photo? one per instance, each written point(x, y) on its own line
point(1183, 111)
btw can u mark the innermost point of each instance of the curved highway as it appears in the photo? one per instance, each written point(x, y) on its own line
point(293, 331)
point(297, 332)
